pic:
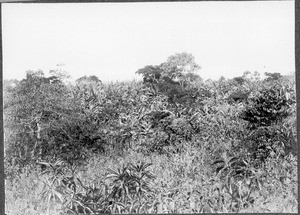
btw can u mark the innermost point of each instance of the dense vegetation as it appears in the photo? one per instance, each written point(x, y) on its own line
point(171, 143)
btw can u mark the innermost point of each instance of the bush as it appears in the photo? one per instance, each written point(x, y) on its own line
point(269, 107)
point(207, 154)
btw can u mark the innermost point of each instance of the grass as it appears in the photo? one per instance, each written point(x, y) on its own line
point(184, 183)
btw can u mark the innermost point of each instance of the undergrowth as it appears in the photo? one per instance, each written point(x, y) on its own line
point(154, 184)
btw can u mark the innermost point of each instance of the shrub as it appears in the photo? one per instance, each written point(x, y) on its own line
point(269, 107)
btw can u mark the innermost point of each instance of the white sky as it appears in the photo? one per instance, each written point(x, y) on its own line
point(114, 40)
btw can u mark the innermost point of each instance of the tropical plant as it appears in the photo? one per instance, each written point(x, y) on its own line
point(269, 107)
point(130, 181)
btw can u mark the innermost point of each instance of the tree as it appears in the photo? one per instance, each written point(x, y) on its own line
point(273, 76)
point(239, 80)
point(177, 79)
point(9, 85)
point(88, 80)
point(151, 74)
point(251, 76)
point(58, 76)
point(30, 109)
point(181, 67)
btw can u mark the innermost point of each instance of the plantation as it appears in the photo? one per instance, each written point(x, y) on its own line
point(171, 143)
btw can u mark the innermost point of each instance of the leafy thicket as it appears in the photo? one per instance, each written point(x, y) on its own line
point(268, 107)
point(213, 145)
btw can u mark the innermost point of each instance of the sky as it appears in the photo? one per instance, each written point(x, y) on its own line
point(114, 40)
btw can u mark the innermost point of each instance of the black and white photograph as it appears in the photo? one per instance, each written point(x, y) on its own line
point(149, 107)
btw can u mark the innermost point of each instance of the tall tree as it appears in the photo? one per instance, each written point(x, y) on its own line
point(181, 67)
point(177, 79)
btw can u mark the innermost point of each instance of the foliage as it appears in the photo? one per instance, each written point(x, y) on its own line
point(151, 74)
point(32, 105)
point(273, 76)
point(130, 182)
point(268, 107)
point(125, 187)
point(88, 79)
point(168, 144)
point(271, 141)
point(177, 79)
